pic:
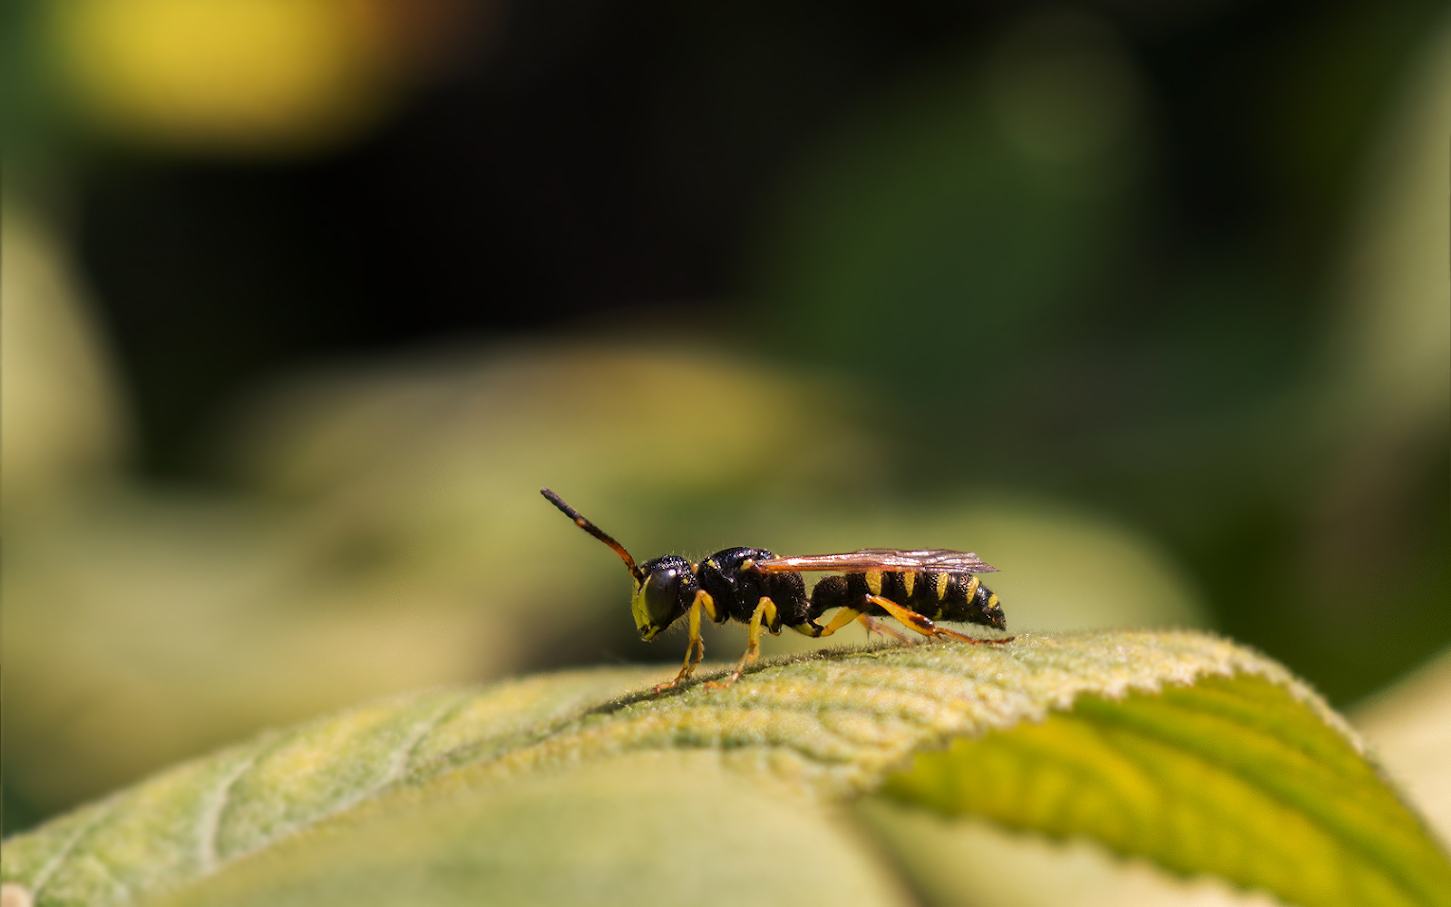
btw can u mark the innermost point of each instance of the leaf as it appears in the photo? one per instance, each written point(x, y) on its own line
point(1180, 747)
point(1231, 775)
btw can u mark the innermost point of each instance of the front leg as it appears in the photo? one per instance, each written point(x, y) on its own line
point(696, 646)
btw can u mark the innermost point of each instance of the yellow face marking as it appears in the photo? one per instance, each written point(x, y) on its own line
point(909, 579)
point(942, 580)
point(874, 581)
point(641, 612)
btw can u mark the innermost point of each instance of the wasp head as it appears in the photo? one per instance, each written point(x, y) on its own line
point(666, 589)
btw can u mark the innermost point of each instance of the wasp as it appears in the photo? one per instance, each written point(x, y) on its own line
point(756, 587)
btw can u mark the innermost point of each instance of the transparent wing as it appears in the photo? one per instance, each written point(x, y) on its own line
point(940, 560)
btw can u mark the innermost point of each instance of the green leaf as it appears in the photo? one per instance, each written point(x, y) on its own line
point(1233, 775)
point(1180, 747)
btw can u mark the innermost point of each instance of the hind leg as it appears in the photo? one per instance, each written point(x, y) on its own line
point(846, 616)
point(924, 625)
point(875, 626)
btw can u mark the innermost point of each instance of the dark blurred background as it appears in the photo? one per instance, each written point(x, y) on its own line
point(1146, 303)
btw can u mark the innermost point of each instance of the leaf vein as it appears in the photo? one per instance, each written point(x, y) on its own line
point(210, 821)
point(51, 866)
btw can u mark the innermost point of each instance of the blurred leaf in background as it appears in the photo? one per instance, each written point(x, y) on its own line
point(66, 431)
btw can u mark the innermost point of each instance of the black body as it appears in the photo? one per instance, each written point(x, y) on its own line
point(736, 589)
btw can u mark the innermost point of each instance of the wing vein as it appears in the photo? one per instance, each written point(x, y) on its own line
point(939, 560)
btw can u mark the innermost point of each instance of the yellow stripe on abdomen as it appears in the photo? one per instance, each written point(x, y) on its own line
point(874, 581)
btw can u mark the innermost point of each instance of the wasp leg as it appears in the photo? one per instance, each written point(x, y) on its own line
point(924, 625)
point(847, 615)
point(696, 646)
point(839, 620)
point(875, 626)
point(765, 613)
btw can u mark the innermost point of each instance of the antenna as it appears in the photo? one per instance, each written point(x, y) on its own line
point(595, 531)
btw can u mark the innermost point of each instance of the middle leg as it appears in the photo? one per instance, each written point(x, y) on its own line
point(765, 613)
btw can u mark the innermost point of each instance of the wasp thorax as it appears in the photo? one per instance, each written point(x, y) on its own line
point(663, 595)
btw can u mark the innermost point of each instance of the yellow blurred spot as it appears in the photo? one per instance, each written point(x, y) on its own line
point(251, 76)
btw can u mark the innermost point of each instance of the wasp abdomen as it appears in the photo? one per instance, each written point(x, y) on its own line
point(939, 596)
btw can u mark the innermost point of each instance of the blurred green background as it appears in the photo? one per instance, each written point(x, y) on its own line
point(303, 300)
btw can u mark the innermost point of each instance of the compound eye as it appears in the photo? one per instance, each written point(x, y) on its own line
point(661, 594)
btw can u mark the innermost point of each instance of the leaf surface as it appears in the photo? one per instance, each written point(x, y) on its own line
point(1180, 747)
